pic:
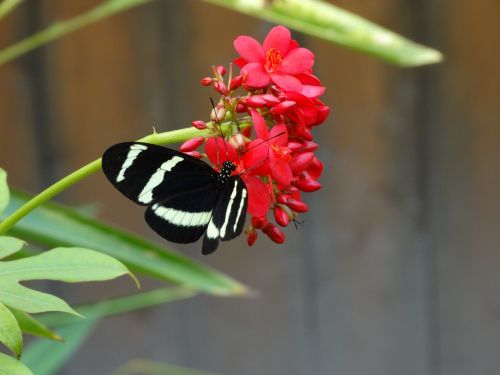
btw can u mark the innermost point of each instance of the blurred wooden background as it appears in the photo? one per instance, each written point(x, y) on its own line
point(397, 268)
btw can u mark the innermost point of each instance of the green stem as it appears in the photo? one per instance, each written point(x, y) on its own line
point(8, 6)
point(61, 185)
point(59, 29)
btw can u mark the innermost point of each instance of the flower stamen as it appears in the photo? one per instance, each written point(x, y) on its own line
point(273, 60)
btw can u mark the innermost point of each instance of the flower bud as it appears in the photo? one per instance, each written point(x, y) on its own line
point(258, 222)
point(199, 124)
point(310, 146)
point(307, 185)
point(323, 112)
point(296, 205)
point(240, 108)
point(251, 237)
point(220, 87)
point(281, 198)
point(255, 101)
point(192, 144)
point(274, 233)
point(221, 70)
point(247, 132)
point(194, 154)
point(280, 216)
point(294, 146)
point(206, 81)
point(218, 116)
point(283, 107)
point(238, 141)
point(235, 82)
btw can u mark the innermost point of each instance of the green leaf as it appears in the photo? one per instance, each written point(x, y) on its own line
point(46, 357)
point(61, 264)
point(10, 333)
point(123, 304)
point(11, 366)
point(53, 225)
point(326, 21)
point(4, 190)
point(76, 330)
point(9, 246)
point(32, 326)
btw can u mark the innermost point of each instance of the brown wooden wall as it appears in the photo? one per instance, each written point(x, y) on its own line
point(397, 269)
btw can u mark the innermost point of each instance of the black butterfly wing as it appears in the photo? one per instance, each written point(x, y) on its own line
point(228, 216)
point(147, 173)
point(183, 198)
point(183, 217)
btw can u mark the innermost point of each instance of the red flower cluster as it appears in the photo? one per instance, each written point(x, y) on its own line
point(267, 131)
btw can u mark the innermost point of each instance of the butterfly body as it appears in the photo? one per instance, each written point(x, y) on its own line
point(185, 197)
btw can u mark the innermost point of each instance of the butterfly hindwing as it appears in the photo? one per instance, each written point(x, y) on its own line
point(229, 215)
point(184, 217)
point(146, 173)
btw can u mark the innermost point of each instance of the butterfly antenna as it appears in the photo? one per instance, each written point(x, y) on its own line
point(298, 223)
point(267, 140)
point(220, 131)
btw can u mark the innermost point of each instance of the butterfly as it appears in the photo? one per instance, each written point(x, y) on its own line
point(185, 197)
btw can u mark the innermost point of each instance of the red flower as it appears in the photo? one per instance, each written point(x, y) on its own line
point(268, 154)
point(279, 60)
point(259, 199)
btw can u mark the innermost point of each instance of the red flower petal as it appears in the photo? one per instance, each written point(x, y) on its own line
point(281, 171)
point(240, 62)
point(255, 101)
point(254, 75)
point(270, 99)
point(293, 45)
point(301, 162)
point(297, 61)
point(278, 135)
point(312, 91)
point(249, 49)
point(286, 82)
point(256, 159)
point(218, 153)
point(283, 107)
point(279, 37)
point(315, 168)
point(308, 79)
point(258, 196)
point(259, 125)
point(304, 105)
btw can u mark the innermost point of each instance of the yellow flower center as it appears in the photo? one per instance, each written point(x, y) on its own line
point(273, 60)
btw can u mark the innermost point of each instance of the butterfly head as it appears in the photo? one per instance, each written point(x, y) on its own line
point(225, 172)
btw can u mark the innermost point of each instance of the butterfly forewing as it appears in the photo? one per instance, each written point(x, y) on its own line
point(146, 173)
